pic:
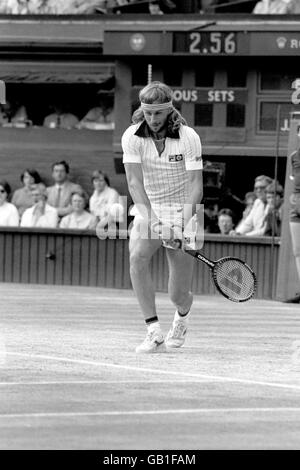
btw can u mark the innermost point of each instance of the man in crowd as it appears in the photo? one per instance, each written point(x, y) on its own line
point(59, 195)
point(40, 214)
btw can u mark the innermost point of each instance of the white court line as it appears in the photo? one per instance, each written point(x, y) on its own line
point(156, 371)
point(103, 382)
point(75, 414)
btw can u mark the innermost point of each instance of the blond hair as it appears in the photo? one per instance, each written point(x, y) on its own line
point(158, 92)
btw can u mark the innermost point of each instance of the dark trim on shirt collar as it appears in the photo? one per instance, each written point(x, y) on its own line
point(144, 131)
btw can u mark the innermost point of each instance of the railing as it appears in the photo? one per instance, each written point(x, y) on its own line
point(75, 257)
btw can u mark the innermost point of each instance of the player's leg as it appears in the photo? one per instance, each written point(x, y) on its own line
point(295, 236)
point(180, 283)
point(141, 250)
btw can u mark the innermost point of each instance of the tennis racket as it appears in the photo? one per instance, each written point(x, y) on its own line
point(233, 278)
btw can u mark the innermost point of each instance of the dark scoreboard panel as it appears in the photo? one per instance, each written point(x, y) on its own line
point(211, 43)
point(201, 43)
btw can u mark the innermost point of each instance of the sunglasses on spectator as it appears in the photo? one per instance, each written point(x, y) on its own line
point(259, 187)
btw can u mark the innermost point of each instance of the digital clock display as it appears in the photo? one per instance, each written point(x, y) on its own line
point(199, 42)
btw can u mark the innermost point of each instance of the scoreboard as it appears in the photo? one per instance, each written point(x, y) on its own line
point(202, 43)
point(211, 43)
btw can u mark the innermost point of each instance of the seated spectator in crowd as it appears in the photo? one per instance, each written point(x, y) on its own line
point(59, 119)
point(76, 7)
point(100, 117)
point(253, 225)
point(277, 7)
point(154, 8)
point(54, 7)
point(13, 115)
point(4, 119)
point(40, 214)
point(103, 197)
point(274, 209)
point(225, 221)
point(249, 201)
point(59, 195)
point(211, 218)
point(22, 197)
point(9, 216)
point(79, 218)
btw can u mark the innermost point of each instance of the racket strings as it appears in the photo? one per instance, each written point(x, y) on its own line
point(234, 279)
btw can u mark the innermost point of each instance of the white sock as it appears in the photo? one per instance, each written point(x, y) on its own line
point(155, 326)
point(178, 317)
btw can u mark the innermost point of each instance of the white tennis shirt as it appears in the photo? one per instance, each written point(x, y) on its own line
point(165, 175)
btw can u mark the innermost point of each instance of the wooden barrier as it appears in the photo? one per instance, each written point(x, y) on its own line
point(75, 257)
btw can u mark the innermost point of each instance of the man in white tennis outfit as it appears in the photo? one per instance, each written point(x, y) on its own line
point(163, 164)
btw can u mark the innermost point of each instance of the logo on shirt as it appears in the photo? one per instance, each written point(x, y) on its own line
point(176, 158)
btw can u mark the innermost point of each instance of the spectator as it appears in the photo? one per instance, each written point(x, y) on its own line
point(79, 218)
point(253, 225)
point(13, 115)
point(99, 117)
point(225, 221)
point(103, 197)
point(211, 218)
point(40, 214)
point(273, 217)
point(59, 195)
point(59, 119)
point(9, 216)
point(277, 7)
point(22, 197)
point(78, 7)
point(249, 201)
point(154, 8)
point(4, 118)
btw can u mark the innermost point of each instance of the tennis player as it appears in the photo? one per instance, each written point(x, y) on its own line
point(163, 164)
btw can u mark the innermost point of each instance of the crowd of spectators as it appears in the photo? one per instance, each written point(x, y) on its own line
point(262, 215)
point(155, 7)
point(64, 204)
point(14, 114)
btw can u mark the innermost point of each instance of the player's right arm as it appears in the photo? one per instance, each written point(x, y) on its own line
point(132, 159)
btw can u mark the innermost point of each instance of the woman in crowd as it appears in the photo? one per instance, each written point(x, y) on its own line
point(22, 197)
point(79, 217)
point(9, 216)
point(103, 197)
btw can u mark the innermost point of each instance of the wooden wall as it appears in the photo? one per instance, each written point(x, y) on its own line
point(80, 258)
point(39, 148)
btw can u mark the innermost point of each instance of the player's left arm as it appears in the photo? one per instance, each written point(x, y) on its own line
point(194, 168)
point(195, 195)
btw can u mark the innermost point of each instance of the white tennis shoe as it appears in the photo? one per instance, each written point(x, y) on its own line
point(153, 343)
point(177, 333)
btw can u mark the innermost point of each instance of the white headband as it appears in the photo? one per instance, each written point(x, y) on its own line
point(156, 106)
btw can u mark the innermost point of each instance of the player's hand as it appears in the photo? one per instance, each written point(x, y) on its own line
point(171, 235)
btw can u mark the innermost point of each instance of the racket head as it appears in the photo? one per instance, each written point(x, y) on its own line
point(234, 279)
